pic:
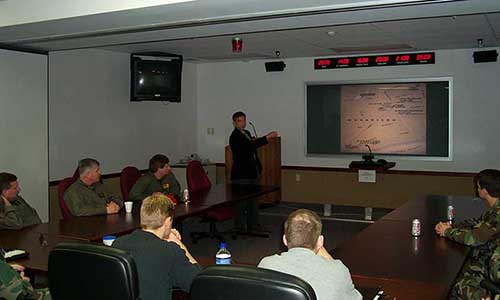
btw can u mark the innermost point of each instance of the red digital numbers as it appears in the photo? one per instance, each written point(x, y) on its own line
point(375, 60)
point(362, 60)
point(424, 56)
point(402, 58)
point(382, 59)
point(343, 61)
point(323, 62)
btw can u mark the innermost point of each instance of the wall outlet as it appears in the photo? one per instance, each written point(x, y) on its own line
point(297, 177)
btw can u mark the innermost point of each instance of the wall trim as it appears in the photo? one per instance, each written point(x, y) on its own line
point(325, 169)
point(23, 49)
point(395, 172)
point(103, 176)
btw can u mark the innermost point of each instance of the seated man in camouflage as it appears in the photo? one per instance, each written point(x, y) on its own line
point(481, 234)
point(494, 269)
point(15, 213)
point(13, 284)
point(87, 196)
point(158, 179)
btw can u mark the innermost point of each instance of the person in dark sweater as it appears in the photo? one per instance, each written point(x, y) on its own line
point(162, 260)
point(246, 168)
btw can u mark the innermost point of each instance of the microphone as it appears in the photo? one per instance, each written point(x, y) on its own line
point(255, 131)
point(368, 158)
point(369, 149)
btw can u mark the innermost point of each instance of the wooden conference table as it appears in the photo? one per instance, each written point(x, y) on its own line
point(38, 240)
point(385, 253)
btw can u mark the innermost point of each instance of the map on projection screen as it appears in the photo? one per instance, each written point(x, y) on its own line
point(390, 118)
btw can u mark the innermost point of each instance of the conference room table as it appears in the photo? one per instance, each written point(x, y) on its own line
point(38, 240)
point(386, 254)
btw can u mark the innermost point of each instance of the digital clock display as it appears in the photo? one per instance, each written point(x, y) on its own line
point(375, 61)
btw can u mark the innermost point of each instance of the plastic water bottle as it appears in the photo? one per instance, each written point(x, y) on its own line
point(223, 257)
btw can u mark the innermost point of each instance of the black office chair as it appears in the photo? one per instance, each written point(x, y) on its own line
point(82, 271)
point(248, 283)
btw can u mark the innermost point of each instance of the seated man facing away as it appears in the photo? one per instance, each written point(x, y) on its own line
point(158, 179)
point(15, 213)
point(14, 285)
point(494, 269)
point(307, 259)
point(87, 196)
point(481, 234)
point(162, 260)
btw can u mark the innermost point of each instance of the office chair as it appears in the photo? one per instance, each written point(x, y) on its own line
point(248, 283)
point(128, 177)
point(82, 271)
point(198, 182)
point(62, 186)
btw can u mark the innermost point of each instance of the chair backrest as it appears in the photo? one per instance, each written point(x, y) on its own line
point(62, 186)
point(128, 178)
point(197, 179)
point(248, 283)
point(82, 271)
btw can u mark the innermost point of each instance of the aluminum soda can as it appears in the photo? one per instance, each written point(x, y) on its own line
point(415, 227)
point(451, 213)
point(185, 195)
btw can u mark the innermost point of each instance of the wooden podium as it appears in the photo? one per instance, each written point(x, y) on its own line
point(270, 158)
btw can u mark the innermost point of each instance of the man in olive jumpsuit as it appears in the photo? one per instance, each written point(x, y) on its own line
point(15, 213)
point(158, 179)
point(88, 196)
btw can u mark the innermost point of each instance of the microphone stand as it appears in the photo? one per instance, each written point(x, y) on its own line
point(255, 131)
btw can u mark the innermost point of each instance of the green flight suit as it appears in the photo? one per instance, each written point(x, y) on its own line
point(149, 184)
point(480, 234)
point(18, 214)
point(83, 200)
point(13, 287)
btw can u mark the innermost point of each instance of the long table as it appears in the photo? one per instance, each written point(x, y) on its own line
point(386, 254)
point(38, 240)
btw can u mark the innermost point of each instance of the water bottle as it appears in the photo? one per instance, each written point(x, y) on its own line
point(223, 257)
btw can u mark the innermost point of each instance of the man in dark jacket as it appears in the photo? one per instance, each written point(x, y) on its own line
point(246, 167)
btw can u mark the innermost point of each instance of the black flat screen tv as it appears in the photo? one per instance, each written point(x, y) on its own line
point(157, 79)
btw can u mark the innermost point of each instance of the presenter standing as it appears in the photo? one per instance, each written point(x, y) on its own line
point(246, 169)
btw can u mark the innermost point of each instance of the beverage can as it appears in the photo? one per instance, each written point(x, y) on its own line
point(451, 213)
point(415, 227)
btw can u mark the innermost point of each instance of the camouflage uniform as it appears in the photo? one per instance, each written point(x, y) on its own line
point(13, 287)
point(494, 268)
point(83, 200)
point(18, 214)
point(481, 234)
point(149, 184)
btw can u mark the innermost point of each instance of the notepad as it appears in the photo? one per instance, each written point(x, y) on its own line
point(15, 254)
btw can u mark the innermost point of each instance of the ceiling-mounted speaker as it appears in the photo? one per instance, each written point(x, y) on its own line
point(275, 66)
point(485, 56)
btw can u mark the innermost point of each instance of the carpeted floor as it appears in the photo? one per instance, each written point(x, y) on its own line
point(344, 223)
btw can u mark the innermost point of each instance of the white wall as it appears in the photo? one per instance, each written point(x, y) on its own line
point(91, 114)
point(277, 101)
point(23, 124)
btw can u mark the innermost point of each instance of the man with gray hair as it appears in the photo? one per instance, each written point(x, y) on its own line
point(307, 259)
point(87, 196)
